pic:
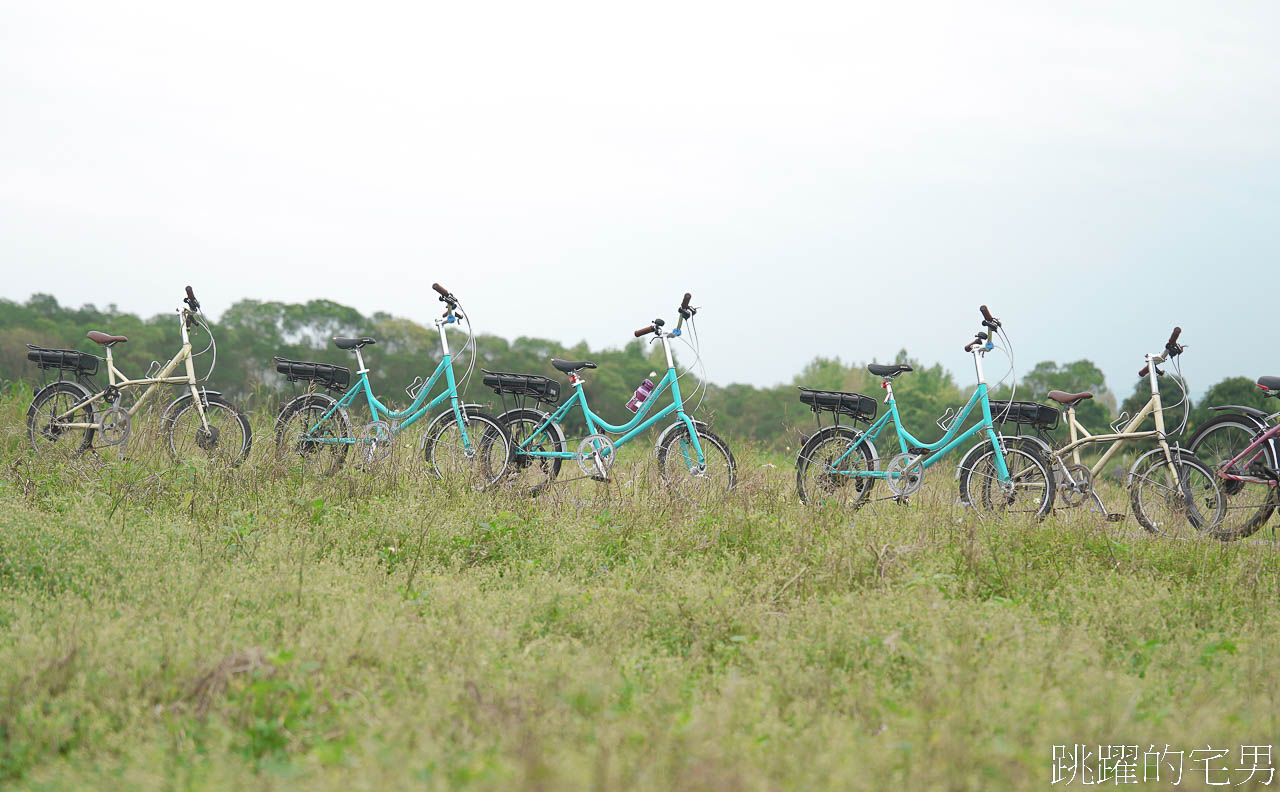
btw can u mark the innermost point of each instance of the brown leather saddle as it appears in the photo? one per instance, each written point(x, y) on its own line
point(105, 339)
point(1069, 399)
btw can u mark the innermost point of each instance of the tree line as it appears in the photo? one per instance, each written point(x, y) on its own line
point(251, 333)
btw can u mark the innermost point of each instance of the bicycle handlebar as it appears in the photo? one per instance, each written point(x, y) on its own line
point(1173, 337)
point(644, 331)
point(986, 313)
point(440, 289)
point(191, 300)
point(1145, 370)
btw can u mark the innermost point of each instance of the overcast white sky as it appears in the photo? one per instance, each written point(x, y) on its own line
point(826, 178)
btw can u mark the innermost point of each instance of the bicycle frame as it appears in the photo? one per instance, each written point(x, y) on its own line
point(1080, 437)
point(1247, 457)
point(117, 380)
point(940, 448)
point(399, 420)
point(629, 430)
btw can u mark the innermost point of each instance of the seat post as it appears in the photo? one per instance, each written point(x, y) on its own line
point(360, 361)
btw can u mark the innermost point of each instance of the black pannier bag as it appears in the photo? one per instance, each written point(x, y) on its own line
point(64, 359)
point(331, 377)
point(527, 385)
point(855, 405)
point(1034, 414)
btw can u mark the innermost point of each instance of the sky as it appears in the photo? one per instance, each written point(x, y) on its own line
point(838, 179)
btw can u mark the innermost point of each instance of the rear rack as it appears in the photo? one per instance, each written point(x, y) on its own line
point(854, 405)
point(1041, 416)
point(532, 386)
point(329, 376)
point(65, 361)
point(526, 389)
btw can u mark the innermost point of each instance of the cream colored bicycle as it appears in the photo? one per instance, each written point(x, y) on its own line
point(1172, 492)
point(68, 415)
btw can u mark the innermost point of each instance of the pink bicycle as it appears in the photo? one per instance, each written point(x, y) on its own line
point(1242, 447)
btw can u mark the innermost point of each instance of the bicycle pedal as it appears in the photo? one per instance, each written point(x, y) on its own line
point(1115, 517)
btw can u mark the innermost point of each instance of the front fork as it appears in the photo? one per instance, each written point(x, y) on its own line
point(1002, 469)
point(693, 437)
point(454, 402)
point(195, 392)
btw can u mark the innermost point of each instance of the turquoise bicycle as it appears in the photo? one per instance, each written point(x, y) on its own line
point(839, 464)
point(692, 461)
point(461, 442)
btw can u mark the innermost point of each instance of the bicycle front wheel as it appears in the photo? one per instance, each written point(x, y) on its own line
point(1028, 490)
point(224, 441)
point(480, 462)
point(1249, 503)
point(1181, 500)
point(681, 474)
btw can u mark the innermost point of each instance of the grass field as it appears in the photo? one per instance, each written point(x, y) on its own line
point(181, 629)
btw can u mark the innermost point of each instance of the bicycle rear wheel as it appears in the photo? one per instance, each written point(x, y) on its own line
point(826, 468)
point(1249, 503)
point(43, 420)
point(316, 431)
point(526, 473)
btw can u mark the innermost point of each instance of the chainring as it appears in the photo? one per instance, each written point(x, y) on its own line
point(375, 441)
point(114, 425)
point(595, 456)
point(905, 474)
point(1072, 497)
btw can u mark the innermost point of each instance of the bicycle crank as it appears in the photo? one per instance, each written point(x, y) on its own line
point(595, 456)
point(1077, 485)
point(375, 441)
point(114, 426)
point(905, 474)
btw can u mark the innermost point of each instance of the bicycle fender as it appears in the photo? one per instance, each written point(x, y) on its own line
point(448, 413)
point(862, 438)
point(87, 393)
point(1249, 412)
point(679, 424)
point(1048, 452)
point(1174, 452)
point(296, 399)
point(183, 399)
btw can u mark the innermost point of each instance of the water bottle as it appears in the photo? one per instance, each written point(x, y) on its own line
point(642, 393)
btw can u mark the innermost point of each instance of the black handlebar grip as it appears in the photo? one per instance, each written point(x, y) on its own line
point(190, 294)
point(644, 331)
point(442, 290)
point(191, 300)
point(1145, 370)
point(986, 314)
point(684, 306)
point(1173, 338)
